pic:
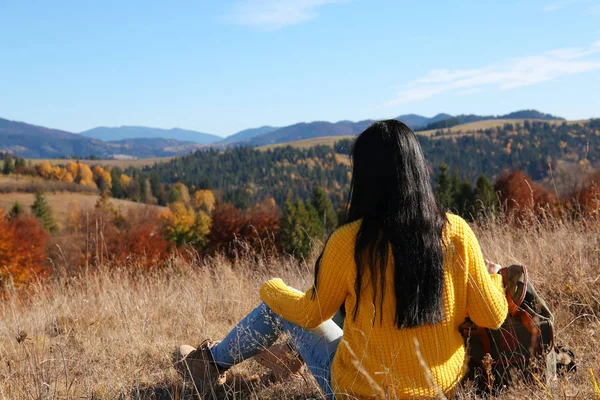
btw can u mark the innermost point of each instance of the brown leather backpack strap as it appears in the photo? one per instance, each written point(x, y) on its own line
point(512, 276)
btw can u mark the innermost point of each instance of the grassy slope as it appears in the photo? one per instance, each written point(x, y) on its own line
point(60, 202)
point(108, 335)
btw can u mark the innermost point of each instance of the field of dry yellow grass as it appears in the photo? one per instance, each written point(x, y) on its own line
point(62, 201)
point(106, 333)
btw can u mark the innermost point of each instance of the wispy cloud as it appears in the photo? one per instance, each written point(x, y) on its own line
point(510, 74)
point(561, 4)
point(276, 14)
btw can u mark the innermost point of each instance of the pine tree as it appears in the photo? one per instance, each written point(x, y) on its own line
point(298, 228)
point(465, 200)
point(155, 184)
point(16, 210)
point(324, 209)
point(486, 197)
point(9, 165)
point(444, 188)
point(117, 189)
point(42, 210)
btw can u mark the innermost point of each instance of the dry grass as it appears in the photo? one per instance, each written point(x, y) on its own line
point(473, 127)
point(306, 143)
point(61, 201)
point(108, 334)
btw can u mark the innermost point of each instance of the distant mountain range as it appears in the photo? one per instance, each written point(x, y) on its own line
point(33, 141)
point(345, 128)
point(246, 134)
point(140, 132)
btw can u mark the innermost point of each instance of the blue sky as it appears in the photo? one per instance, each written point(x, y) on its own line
point(226, 65)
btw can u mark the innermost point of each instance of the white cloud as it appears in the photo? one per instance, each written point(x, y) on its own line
point(510, 74)
point(276, 14)
point(560, 4)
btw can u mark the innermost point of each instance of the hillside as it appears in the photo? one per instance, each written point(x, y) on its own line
point(31, 141)
point(309, 130)
point(246, 134)
point(156, 147)
point(415, 121)
point(318, 129)
point(62, 201)
point(139, 132)
point(246, 175)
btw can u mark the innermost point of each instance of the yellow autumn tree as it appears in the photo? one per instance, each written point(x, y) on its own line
point(59, 173)
point(204, 200)
point(184, 226)
point(68, 177)
point(86, 176)
point(124, 180)
point(45, 169)
point(73, 168)
point(180, 194)
point(102, 178)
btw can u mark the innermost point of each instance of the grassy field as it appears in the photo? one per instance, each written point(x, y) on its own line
point(60, 202)
point(492, 123)
point(306, 143)
point(109, 334)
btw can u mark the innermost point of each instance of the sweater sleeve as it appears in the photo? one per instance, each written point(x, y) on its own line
point(486, 301)
point(307, 310)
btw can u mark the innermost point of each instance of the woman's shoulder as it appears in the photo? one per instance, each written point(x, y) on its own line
point(346, 231)
point(456, 226)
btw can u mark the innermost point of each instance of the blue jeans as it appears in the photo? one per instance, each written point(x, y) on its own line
point(260, 329)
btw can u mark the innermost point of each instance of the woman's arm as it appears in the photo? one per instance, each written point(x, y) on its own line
point(486, 300)
point(306, 309)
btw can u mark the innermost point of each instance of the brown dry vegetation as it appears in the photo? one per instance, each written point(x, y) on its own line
point(109, 333)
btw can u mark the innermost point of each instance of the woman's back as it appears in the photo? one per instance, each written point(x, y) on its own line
point(375, 357)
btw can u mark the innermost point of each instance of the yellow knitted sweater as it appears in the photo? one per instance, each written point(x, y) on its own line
point(380, 360)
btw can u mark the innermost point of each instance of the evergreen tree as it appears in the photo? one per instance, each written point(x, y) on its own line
point(9, 165)
point(324, 209)
point(298, 228)
point(117, 189)
point(465, 200)
point(42, 210)
point(486, 198)
point(16, 210)
point(444, 188)
point(155, 184)
point(145, 194)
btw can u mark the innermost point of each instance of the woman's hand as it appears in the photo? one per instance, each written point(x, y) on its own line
point(492, 267)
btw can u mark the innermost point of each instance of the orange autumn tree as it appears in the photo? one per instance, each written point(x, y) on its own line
point(521, 196)
point(22, 250)
point(231, 225)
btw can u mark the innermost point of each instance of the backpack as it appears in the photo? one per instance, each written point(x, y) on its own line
point(522, 348)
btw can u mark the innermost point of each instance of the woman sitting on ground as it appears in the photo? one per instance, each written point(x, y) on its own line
point(405, 273)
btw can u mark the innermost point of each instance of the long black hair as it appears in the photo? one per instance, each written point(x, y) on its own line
point(391, 193)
